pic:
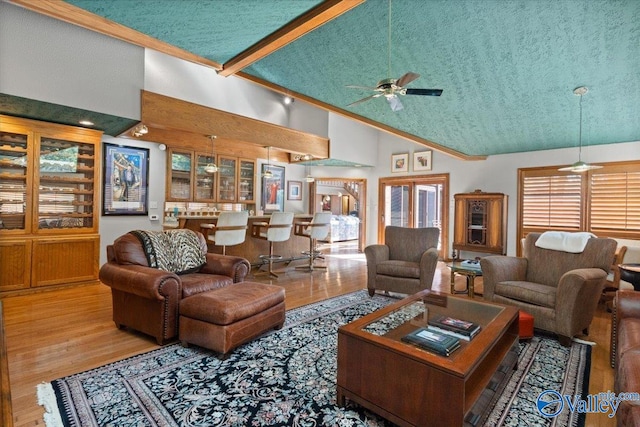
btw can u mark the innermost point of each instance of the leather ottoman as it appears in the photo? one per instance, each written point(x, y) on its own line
point(525, 321)
point(224, 318)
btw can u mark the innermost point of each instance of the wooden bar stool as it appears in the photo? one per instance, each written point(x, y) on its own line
point(277, 230)
point(230, 229)
point(318, 228)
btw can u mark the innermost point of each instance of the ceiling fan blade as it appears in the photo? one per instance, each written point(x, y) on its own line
point(364, 99)
point(394, 103)
point(361, 87)
point(406, 79)
point(428, 92)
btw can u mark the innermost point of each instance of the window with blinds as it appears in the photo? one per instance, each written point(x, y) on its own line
point(603, 201)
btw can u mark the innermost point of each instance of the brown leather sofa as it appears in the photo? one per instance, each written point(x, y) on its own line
point(147, 299)
point(625, 354)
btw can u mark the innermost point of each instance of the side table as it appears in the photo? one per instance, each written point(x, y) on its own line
point(471, 271)
point(630, 273)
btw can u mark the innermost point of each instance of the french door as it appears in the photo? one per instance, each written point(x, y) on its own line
point(415, 202)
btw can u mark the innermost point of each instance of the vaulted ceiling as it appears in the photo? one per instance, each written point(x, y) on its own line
point(507, 68)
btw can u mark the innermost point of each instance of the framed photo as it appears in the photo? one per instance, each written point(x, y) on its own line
point(294, 190)
point(422, 161)
point(125, 180)
point(400, 162)
point(273, 189)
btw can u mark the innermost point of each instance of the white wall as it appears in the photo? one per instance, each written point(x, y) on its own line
point(352, 141)
point(48, 60)
point(307, 118)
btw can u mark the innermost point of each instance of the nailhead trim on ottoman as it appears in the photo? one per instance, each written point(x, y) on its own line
point(224, 318)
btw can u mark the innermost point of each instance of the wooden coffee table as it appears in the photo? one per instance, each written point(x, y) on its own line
point(413, 387)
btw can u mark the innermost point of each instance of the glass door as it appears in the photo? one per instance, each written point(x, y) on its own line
point(415, 201)
point(205, 189)
point(13, 180)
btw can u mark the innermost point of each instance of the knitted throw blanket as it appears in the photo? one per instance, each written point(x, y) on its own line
point(177, 251)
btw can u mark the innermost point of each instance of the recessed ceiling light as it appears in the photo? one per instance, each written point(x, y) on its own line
point(86, 122)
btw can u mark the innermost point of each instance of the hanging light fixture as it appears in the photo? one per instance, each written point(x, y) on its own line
point(268, 174)
point(212, 167)
point(580, 166)
point(309, 178)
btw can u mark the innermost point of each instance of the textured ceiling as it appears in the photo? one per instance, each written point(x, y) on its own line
point(507, 67)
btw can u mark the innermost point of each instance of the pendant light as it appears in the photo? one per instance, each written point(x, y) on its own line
point(580, 166)
point(309, 178)
point(268, 174)
point(212, 167)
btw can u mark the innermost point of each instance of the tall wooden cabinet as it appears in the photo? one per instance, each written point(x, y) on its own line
point(480, 222)
point(49, 204)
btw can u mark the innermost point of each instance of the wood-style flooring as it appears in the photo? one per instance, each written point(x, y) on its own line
point(57, 333)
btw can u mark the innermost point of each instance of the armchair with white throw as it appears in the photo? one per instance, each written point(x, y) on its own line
point(559, 283)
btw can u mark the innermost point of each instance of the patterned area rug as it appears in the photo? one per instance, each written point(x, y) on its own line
point(285, 378)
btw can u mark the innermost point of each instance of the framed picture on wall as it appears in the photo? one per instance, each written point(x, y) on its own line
point(400, 162)
point(125, 180)
point(273, 189)
point(422, 161)
point(294, 190)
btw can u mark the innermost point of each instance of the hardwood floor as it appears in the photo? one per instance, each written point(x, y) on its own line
point(57, 333)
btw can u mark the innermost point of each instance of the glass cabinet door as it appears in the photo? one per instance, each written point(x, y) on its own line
point(227, 179)
point(205, 189)
point(66, 184)
point(247, 181)
point(477, 222)
point(13, 181)
point(180, 175)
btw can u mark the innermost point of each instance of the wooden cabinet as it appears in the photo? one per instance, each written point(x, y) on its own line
point(49, 180)
point(188, 179)
point(480, 222)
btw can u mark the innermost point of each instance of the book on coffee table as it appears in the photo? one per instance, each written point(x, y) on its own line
point(458, 326)
point(433, 341)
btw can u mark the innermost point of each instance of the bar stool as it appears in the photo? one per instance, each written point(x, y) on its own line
point(318, 228)
point(230, 229)
point(277, 230)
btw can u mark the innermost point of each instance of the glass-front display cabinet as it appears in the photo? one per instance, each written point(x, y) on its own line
point(205, 177)
point(227, 179)
point(480, 222)
point(179, 175)
point(49, 208)
point(246, 191)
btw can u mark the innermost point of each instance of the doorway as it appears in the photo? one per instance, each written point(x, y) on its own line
point(415, 201)
point(345, 198)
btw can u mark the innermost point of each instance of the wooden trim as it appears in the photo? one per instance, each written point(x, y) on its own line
point(377, 125)
point(163, 112)
point(74, 15)
point(297, 28)
point(6, 414)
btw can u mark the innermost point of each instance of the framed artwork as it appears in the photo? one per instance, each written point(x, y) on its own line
point(273, 189)
point(400, 162)
point(326, 203)
point(125, 180)
point(422, 161)
point(294, 190)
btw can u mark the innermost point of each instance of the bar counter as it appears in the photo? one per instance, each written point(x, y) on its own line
point(251, 248)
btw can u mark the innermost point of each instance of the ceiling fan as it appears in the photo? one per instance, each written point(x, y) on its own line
point(390, 88)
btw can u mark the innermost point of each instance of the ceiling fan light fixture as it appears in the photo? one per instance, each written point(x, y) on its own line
point(580, 166)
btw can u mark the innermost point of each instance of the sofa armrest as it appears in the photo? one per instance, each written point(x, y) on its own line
point(375, 254)
point(227, 265)
point(498, 268)
point(146, 282)
point(428, 265)
point(628, 304)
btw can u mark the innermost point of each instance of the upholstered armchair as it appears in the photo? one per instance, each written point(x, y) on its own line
point(559, 289)
point(150, 272)
point(405, 263)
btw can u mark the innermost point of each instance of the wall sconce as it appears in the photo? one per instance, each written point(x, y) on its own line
point(139, 130)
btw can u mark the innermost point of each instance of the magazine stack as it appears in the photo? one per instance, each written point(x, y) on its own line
point(433, 341)
point(455, 327)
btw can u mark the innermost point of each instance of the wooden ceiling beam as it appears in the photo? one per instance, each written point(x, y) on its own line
point(74, 15)
point(297, 28)
point(163, 112)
